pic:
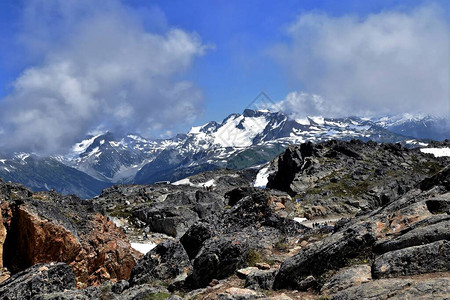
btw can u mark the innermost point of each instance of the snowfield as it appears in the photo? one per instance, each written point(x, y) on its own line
point(262, 177)
point(437, 152)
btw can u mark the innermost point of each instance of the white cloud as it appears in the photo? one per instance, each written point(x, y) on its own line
point(99, 68)
point(300, 104)
point(385, 63)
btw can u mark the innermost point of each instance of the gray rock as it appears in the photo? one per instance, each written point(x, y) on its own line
point(347, 277)
point(416, 237)
point(429, 258)
point(307, 283)
point(349, 177)
point(144, 292)
point(239, 294)
point(100, 292)
point(170, 220)
point(261, 279)
point(400, 289)
point(331, 253)
point(120, 286)
point(245, 272)
point(39, 279)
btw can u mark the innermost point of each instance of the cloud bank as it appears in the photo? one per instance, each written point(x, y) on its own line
point(97, 64)
point(386, 63)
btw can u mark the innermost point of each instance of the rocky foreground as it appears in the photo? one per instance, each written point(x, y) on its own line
point(381, 216)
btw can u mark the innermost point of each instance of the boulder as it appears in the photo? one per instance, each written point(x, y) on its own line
point(260, 279)
point(193, 239)
point(429, 258)
point(219, 258)
point(170, 220)
point(434, 288)
point(239, 294)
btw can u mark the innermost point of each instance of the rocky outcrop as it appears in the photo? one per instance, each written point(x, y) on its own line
point(420, 235)
point(239, 294)
point(165, 262)
point(338, 177)
point(346, 278)
point(37, 280)
point(250, 227)
point(429, 258)
point(333, 252)
point(162, 208)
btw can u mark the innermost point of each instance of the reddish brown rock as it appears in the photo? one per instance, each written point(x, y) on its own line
point(49, 227)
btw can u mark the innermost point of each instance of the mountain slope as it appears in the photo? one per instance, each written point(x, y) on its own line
point(112, 159)
point(417, 126)
point(42, 174)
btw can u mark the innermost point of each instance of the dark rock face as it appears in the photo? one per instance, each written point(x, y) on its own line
point(438, 206)
point(441, 178)
point(172, 209)
point(165, 261)
point(429, 258)
point(218, 259)
point(193, 239)
point(39, 279)
point(289, 164)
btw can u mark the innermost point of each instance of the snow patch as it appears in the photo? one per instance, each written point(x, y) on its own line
point(262, 177)
point(143, 247)
point(303, 121)
point(23, 156)
point(239, 131)
point(83, 145)
point(437, 152)
point(300, 220)
point(186, 181)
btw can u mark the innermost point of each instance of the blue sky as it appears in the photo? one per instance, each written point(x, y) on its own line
point(239, 49)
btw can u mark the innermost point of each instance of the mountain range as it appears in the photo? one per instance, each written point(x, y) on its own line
point(240, 141)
